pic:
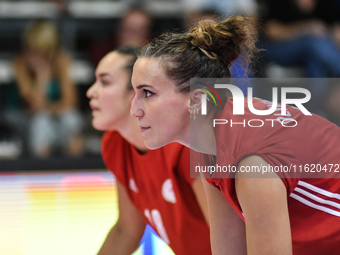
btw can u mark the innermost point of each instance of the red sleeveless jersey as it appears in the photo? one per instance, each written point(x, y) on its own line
point(309, 152)
point(159, 185)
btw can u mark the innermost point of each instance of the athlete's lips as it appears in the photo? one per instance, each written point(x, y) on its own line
point(143, 129)
point(94, 108)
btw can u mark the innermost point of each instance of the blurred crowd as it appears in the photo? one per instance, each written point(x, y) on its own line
point(42, 109)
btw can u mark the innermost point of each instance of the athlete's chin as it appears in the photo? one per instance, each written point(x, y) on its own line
point(98, 125)
point(151, 144)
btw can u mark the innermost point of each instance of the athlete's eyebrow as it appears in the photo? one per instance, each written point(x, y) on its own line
point(103, 74)
point(143, 86)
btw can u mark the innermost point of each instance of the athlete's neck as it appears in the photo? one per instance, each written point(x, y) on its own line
point(201, 137)
point(130, 131)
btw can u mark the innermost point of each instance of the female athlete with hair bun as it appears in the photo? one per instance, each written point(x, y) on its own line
point(274, 213)
point(154, 187)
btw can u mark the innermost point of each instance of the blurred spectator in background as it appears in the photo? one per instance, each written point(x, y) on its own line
point(42, 75)
point(304, 33)
point(135, 28)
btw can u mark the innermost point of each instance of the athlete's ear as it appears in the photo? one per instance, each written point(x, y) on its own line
point(196, 99)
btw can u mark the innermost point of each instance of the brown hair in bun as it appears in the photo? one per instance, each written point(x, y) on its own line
point(207, 51)
point(226, 39)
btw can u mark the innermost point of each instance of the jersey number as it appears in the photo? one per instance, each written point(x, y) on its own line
point(155, 219)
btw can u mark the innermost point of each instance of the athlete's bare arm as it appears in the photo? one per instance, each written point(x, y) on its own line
point(227, 230)
point(201, 197)
point(264, 205)
point(124, 237)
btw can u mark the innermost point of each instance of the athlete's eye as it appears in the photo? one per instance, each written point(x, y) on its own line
point(105, 82)
point(147, 93)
